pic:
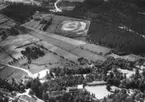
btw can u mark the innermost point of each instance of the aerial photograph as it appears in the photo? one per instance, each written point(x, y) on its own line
point(72, 50)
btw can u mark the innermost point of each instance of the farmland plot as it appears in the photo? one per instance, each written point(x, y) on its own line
point(88, 55)
point(11, 44)
point(9, 73)
point(96, 48)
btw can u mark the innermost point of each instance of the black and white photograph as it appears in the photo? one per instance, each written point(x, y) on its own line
point(72, 50)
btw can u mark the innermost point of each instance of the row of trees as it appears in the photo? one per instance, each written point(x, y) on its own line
point(60, 78)
point(69, 71)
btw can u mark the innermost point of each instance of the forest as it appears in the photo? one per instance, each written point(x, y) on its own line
point(20, 12)
point(107, 17)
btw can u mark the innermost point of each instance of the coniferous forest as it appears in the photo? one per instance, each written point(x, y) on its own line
point(116, 24)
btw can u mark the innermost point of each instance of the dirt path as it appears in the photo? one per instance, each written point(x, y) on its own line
point(22, 69)
point(56, 8)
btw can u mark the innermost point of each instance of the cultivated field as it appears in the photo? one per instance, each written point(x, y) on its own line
point(9, 73)
point(54, 56)
point(6, 22)
point(96, 48)
point(65, 44)
point(11, 47)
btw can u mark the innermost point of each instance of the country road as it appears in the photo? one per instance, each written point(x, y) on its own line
point(56, 8)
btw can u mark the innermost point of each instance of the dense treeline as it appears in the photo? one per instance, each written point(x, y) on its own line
point(114, 37)
point(21, 12)
point(106, 17)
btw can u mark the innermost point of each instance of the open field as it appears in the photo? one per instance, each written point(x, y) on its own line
point(35, 24)
point(9, 73)
point(77, 50)
point(99, 91)
point(9, 47)
point(66, 26)
point(46, 62)
point(6, 22)
point(130, 57)
point(54, 56)
point(5, 58)
point(96, 48)
point(87, 55)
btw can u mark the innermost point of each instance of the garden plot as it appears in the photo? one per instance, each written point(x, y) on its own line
point(11, 44)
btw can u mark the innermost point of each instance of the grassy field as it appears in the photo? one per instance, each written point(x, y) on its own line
point(54, 39)
point(9, 73)
point(11, 44)
point(130, 57)
point(48, 61)
point(57, 23)
point(88, 55)
point(97, 48)
point(6, 22)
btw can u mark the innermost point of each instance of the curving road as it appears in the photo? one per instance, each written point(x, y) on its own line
point(56, 8)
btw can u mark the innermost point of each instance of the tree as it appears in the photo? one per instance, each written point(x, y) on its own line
point(45, 96)
point(61, 73)
point(51, 74)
